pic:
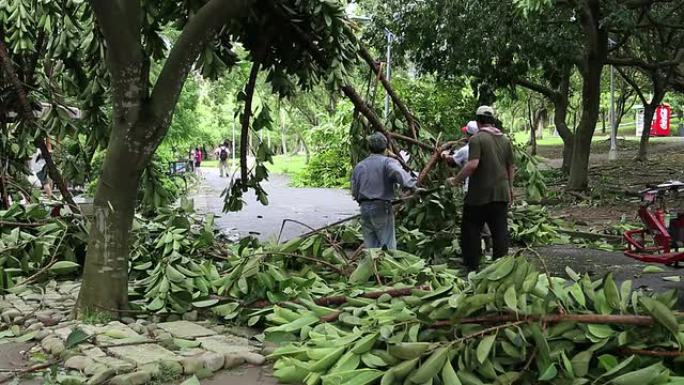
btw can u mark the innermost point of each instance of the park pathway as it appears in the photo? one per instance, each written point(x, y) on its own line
point(315, 207)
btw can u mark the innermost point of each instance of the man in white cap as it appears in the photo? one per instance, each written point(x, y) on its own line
point(490, 189)
point(372, 186)
point(460, 157)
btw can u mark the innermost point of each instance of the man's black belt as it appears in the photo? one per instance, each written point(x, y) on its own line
point(373, 200)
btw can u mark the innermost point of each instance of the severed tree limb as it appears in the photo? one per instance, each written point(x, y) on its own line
point(373, 119)
point(366, 56)
point(434, 159)
point(348, 90)
point(653, 353)
point(31, 369)
point(412, 141)
point(342, 299)
point(30, 119)
point(638, 320)
point(246, 117)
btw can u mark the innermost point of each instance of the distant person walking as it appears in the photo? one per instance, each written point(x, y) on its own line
point(223, 159)
point(490, 189)
point(198, 161)
point(40, 169)
point(372, 186)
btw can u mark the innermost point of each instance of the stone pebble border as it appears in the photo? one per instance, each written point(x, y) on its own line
point(131, 352)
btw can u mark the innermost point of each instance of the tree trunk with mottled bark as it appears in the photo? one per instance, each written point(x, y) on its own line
point(141, 117)
point(591, 68)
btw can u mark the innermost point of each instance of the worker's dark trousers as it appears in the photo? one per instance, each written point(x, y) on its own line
point(495, 215)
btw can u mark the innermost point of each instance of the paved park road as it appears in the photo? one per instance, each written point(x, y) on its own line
point(314, 206)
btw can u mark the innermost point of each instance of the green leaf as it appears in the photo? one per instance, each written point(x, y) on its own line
point(606, 361)
point(600, 331)
point(511, 298)
point(653, 269)
point(661, 313)
point(373, 361)
point(485, 347)
point(639, 377)
point(205, 303)
point(76, 337)
point(449, 375)
point(156, 304)
point(580, 363)
point(572, 274)
point(64, 267)
point(549, 373)
point(611, 291)
point(143, 266)
point(253, 320)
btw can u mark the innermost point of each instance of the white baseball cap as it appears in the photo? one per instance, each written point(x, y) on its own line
point(485, 111)
point(470, 128)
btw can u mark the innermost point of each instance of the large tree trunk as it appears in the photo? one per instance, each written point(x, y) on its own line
point(141, 118)
point(283, 138)
point(596, 51)
point(305, 146)
point(591, 98)
point(105, 278)
point(559, 120)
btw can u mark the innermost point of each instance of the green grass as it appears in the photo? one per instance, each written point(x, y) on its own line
point(211, 163)
point(627, 132)
point(282, 164)
point(287, 164)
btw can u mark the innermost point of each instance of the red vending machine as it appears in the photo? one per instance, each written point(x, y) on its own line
point(661, 121)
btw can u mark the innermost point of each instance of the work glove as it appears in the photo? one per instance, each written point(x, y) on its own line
point(452, 181)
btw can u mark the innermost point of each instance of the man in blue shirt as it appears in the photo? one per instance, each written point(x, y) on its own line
point(372, 184)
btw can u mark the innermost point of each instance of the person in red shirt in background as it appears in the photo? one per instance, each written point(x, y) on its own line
point(199, 157)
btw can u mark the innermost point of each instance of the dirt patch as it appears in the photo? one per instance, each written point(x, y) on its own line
point(243, 376)
point(598, 263)
point(12, 358)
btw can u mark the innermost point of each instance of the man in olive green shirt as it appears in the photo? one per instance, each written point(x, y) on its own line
point(490, 190)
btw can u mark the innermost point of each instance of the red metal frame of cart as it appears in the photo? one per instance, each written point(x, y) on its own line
point(653, 243)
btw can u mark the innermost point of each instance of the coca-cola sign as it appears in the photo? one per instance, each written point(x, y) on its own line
point(661, 121)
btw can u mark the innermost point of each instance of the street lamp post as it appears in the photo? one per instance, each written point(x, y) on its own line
point(388, 75)
point(613, 152)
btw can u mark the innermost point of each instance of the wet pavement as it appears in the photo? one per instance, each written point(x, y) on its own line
point(599, 262)
point(315, 207)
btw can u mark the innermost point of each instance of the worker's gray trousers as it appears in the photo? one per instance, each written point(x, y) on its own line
point(377, 224)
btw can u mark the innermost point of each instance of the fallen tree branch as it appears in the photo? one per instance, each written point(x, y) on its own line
point(653, 353)
point(590, 235)
point(18, 372)
point(638, 320)
point(412, 141)
point(365, 55)
point(310, 259)
point(342, 299)
point(22, 224)
point(30, 119)
point(330, 241)
point(434, 159)
point(488, 331)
